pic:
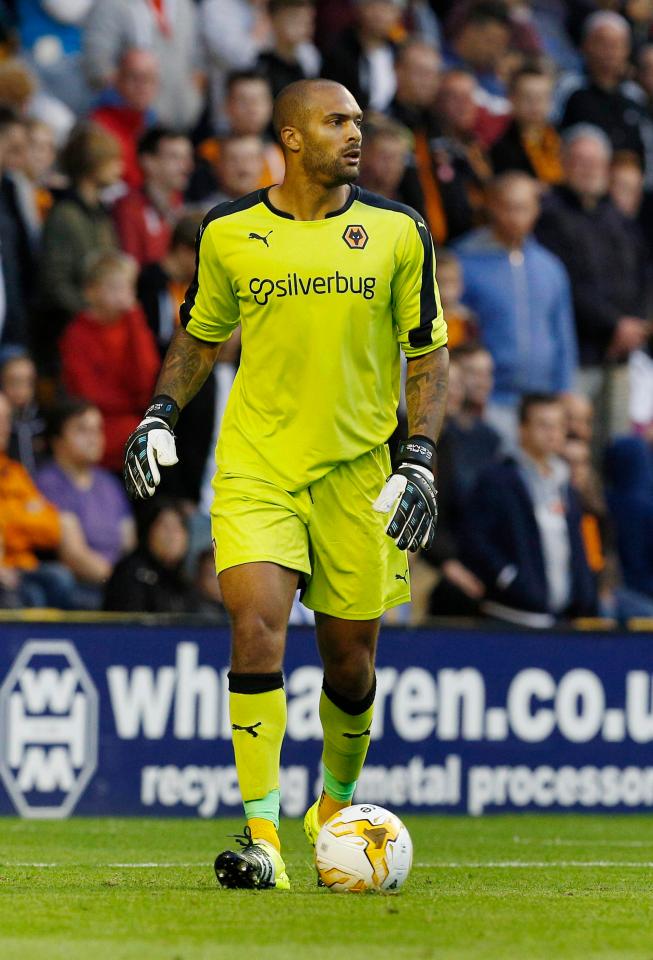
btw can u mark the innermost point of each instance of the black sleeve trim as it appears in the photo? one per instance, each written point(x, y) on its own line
point(429, 308)
point(221, 210)
point(422, 336)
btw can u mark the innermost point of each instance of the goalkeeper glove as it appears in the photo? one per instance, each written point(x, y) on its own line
point(413, 522)
point(151, 444)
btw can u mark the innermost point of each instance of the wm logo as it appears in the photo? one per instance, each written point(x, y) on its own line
point(48, 729)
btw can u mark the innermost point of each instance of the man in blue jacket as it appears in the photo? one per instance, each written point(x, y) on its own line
point(522, 535)
point(520, 293)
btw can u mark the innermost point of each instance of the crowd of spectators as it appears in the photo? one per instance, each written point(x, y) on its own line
point(522, 130)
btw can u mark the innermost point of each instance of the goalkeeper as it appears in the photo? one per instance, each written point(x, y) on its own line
point(329, 282)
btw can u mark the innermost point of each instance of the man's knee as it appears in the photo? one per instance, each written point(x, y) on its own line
point(258, 641)
point(351, 672)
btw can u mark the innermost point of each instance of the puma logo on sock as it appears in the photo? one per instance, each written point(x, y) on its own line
point(356, 736)
point(251, 729)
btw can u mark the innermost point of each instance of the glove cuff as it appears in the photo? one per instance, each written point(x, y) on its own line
point(164, 408)
point(418, 450)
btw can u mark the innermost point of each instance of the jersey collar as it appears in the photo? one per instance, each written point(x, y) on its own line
point(353, 194)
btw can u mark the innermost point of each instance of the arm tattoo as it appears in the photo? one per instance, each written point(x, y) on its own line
point(186, 366)
point(426, 393)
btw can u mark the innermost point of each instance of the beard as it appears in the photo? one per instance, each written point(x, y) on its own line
point(330, 171)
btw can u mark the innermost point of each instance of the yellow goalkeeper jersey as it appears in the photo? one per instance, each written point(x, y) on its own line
point(324, 306)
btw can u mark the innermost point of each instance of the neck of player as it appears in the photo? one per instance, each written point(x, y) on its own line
point(304, 199)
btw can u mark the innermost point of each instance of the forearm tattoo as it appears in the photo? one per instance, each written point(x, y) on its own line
point(426, 393)
point(186, 366)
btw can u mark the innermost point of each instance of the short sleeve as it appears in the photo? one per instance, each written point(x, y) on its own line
point(416, 306)
point(210, 310)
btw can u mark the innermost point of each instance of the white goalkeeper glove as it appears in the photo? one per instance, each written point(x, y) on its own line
point(411, 491)
point(152, 444)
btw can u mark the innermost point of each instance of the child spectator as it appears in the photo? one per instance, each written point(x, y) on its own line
point(28, 525)
point(90, 498)
point(248, 108)
point(76, 226)
point(18, 383)
point(239, 168)
point(151, 579)
point(145, 216)
point(108, 352)
point(461, 321)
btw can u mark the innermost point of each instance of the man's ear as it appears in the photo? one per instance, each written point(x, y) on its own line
point(291, 138)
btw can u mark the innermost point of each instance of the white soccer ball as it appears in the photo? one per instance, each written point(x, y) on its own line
point(361, 848)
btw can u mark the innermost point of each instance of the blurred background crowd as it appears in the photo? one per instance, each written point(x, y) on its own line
point(523, 133)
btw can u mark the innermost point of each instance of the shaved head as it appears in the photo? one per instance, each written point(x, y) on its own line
point(295, 103)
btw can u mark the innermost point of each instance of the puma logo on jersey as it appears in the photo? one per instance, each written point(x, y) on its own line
point(257, 236)
point(357, 736)
point(402, 576)
point(251, 729)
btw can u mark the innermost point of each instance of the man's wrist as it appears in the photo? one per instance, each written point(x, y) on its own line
point(418, 450)
point(164, 408)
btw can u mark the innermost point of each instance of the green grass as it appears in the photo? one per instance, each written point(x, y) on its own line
point(459, 903)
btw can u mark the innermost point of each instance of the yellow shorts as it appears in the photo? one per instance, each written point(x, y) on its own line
point(328, 532)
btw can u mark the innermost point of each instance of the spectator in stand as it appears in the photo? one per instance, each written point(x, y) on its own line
point(235, 32)
point(19, 91)
point(417, 70)
point(522, 535)
point(520, 294)
point(77, 225)
point(93, 502)
point(28, 525)
point(51, 33)
point(466, 447)
point(530, 144)
point(152, 579)
point(627, 185)
point(239, 169)
point(18, 384)
point(458, 154)
point(629, 474)
point(15, 249)
point(161, 290)
point(293, 55)
point(581, 226)
point(462, 323)
point(248, 109)
point(580, 416)
point(602, 96)
point(169, 28)
point(385, 158)
point(39, 166)
point(21, 195)
point(126, 110)
point(480, 43)
point(145, 216)
point(208, 589)
point(362, 57)
point(108, 353)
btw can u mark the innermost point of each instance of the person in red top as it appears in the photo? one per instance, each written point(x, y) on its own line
point(108, 352)
point(145, 217)
point(129, 112)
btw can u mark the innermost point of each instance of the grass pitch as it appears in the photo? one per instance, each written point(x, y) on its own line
point(504, 888)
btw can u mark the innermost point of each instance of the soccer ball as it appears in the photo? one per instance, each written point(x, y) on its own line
point(363, 847)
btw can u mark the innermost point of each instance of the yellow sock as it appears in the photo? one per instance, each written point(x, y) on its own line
point(264, 830)
point(328, 806)
point(257, 707)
